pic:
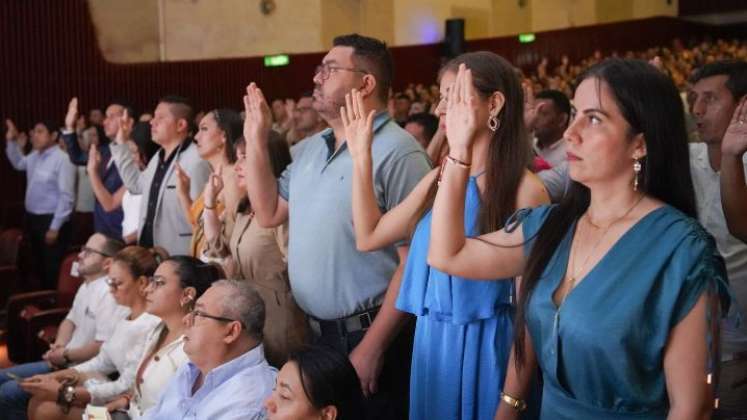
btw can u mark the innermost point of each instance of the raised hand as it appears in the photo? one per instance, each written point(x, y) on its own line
point(214, 186)
point(531, 107)
point(290, 107)
point(358, 125)
point(125, 128)
point(461, 113)
point(11, 132)
point(734, 142)
point(182, 180)
point(72, 114)
point(94, 160)
point(22, 140)
point(258, 117)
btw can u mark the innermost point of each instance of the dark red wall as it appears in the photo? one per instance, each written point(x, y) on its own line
point(48, 53)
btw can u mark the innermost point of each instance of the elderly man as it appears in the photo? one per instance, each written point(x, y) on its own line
point(89, 323)
point(227, 376)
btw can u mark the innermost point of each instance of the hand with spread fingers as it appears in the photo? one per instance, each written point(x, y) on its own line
point(182, 180)
point(258, 117)
point(358, 125)
point(734, 142)
point(461, 112)
point(72, 114)
point(214, 187)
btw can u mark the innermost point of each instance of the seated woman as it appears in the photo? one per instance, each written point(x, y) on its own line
point(178, 282)
point(64, 394)
point(216, 138)
point(258, 255)
point(316, 383)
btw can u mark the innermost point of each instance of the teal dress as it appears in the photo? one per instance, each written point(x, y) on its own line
point(463, 332)
point(602, 353)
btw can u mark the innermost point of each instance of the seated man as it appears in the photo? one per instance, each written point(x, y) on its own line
point(88, 324)
point(227, 376)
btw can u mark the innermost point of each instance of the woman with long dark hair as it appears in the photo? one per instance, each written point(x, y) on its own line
point(464, 328)
point(617, 299)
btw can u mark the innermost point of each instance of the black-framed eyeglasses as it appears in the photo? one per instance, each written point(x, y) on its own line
point(324, 70)
point(195, 313)
point(88, 251)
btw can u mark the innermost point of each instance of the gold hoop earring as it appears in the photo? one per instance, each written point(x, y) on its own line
point(637, 171)
point(494, 123)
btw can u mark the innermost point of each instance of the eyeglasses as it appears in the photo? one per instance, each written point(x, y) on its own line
point(195, 313)
point(324, 70)
point(88, 251)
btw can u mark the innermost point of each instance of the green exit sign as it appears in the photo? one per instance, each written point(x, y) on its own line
point(277, 60)
point(526, 38)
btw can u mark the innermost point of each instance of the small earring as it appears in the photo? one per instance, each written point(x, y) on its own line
point(494, 123)
point(637, 171)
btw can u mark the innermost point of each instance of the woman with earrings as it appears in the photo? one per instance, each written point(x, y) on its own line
point(620, 284)
point(216, 136)
point(259, 256)
point(64, 394)
point(177, 283)
point(464, 327)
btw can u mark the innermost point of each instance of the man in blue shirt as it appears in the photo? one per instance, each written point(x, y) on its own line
point(227, 376)
point(50, 196)
point(348, 295)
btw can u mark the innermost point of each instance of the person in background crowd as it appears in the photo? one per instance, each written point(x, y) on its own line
point(423, 127)
point(348, 295)
point(107, 213)
point(715, 95)
point(89, 323)
point(50, 196)
point(142, 148)
point(401, 109)
point(316, 383)
point(64, 394)
point(282, 115)
point(227, 376)
point(551, 117)
point(216, 140)
point(578, 313)
point(162, 221)
point(469, 321)
point(260, 256)
point(306, 121)
point(95, 117)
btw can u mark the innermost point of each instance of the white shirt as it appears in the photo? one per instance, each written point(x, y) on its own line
point(553, 154)
point(131, 209)
point(734, 251)
point(94, 313)
point(118, 354)
point(157, 374)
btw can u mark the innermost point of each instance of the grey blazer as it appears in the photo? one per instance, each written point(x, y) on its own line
point(171, 229)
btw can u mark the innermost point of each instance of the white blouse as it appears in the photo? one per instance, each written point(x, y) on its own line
point(116, 355)
point(157, 374)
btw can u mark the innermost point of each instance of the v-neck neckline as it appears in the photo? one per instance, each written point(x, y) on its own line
point(570, 237)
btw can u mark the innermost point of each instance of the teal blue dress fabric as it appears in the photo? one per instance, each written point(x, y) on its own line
point(463, 332)
point(602, 356)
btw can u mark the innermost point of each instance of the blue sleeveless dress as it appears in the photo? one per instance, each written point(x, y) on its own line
point(602, 352)
point(463, 334)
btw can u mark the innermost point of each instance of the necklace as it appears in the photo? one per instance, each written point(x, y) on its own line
point(576, 271)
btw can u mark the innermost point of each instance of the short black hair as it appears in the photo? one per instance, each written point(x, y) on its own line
point(736, 71)
point(402, 96)
point(374, 57)
point(428, 121)
point(126, 105)
point(180, 106)
point(558, 98)
point(328, 378)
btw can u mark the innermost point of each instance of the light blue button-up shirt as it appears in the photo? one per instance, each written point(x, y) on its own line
point(329, 277)
point(234, 390)
point(50, 181)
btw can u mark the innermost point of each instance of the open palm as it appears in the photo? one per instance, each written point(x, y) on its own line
point(258, 117)
point(358, 126)
point(735, 138)
point(461, 111)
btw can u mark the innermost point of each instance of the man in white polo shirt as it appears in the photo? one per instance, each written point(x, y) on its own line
point(89, 323)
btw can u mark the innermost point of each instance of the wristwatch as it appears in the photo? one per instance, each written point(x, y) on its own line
point(69, 394)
